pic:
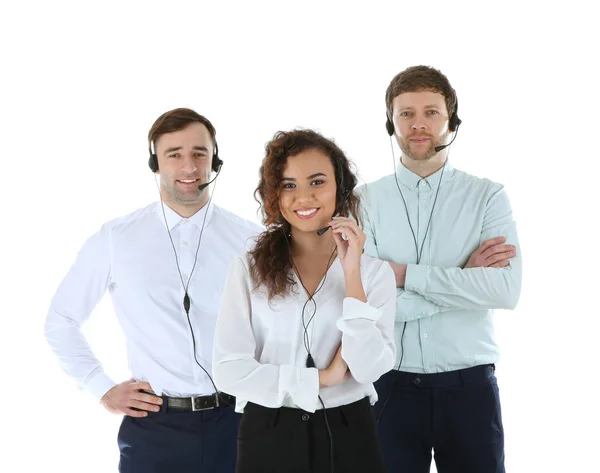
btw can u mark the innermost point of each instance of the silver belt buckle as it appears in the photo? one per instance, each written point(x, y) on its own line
point(194, 408)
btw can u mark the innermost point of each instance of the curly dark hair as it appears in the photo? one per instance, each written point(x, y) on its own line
point(271, 264)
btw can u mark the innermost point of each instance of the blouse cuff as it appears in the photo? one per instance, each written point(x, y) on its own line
point(354, 309)
point(306, 386)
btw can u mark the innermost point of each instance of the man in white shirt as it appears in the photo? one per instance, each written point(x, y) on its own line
point(164, 267)
point(452, 243)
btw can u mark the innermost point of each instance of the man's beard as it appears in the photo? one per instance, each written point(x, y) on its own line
point(429, 153)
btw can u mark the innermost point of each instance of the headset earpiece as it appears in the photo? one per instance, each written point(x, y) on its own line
point(216, 163)
point(389, 126)
point(454, 122)
point(153, 162)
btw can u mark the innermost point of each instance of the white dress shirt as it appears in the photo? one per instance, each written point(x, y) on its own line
point(259, 352)
point(133, 258)
point(448, 310)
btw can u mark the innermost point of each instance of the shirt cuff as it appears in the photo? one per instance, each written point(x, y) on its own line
point(416, 277)
point(307, 382)
point(99, 384)
point(354, 309)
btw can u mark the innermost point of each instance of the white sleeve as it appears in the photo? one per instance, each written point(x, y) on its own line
point(235, 367)
point(368, 345)
point(78, 294)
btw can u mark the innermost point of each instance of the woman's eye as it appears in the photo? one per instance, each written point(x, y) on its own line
point(288, 185)
point(318, 182)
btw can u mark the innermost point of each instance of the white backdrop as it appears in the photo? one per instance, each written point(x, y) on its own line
point(82, 84)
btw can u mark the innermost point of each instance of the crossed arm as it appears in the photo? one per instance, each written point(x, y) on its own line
point(491, 278)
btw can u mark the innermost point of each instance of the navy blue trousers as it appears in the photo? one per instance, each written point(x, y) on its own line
point(182, 442)
point(456, 414)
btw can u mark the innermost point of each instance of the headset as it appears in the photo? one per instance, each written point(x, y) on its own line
point(340, 199)
point(215, 166)
point(453, 124)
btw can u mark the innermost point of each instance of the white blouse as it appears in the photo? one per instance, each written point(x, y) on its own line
point(259, 350)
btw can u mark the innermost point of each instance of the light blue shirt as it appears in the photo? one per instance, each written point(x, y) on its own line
point(448, 310)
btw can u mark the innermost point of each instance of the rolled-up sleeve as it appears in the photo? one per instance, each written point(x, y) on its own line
point(368, 345)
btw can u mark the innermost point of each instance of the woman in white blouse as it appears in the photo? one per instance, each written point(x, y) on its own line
point(306, 323)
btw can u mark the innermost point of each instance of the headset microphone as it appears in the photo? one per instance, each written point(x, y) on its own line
point(345, 194)
point(441, 147)
point(320, 231)
point(206, 184)
point(217, 165)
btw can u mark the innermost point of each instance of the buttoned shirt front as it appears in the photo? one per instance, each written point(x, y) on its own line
point(445, 311)
point(132, 257)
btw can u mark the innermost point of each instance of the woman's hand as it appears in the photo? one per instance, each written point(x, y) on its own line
point(336, 373)
point(350, 249)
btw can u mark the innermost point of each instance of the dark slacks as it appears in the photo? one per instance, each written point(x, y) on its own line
point(456, 414)
point(181, 442)
point(288, 440)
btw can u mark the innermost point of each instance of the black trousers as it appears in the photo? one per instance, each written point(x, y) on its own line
point(456, 414)
point(179, 442)
point(288, 440)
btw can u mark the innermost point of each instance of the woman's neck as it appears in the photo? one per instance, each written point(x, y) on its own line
point(310, 244)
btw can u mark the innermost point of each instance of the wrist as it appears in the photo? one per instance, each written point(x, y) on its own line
point(323, 378)
point(400, 273)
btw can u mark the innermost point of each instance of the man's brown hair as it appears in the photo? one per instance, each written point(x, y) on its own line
point(419, 78)
point(177, 120)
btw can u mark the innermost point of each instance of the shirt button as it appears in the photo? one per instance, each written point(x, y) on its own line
point(185, 276)
point(425, 335)
point(305, 417)
point(185, 243)
point(186, 222)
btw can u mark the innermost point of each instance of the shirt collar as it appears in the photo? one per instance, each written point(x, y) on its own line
point(174, 219)
point(411, 180)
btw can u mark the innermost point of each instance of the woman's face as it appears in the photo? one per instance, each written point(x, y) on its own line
point(307, 191)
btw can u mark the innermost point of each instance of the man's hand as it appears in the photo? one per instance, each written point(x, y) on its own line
point(122, 398)
point(492, 254)
point(336, 373)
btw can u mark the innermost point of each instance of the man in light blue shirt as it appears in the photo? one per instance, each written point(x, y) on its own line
point(452, 242)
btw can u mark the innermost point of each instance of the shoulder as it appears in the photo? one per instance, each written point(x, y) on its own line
point(373, 193)
point(377, 187)
point(236, 222)
point(131, 219)
point(478, 185)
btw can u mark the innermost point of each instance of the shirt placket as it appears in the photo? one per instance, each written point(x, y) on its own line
point(186, 262)
point(424, 201)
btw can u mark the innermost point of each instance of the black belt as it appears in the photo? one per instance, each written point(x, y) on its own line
point(199, 403)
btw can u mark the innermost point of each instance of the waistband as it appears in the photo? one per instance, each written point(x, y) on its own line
point(466, 377)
